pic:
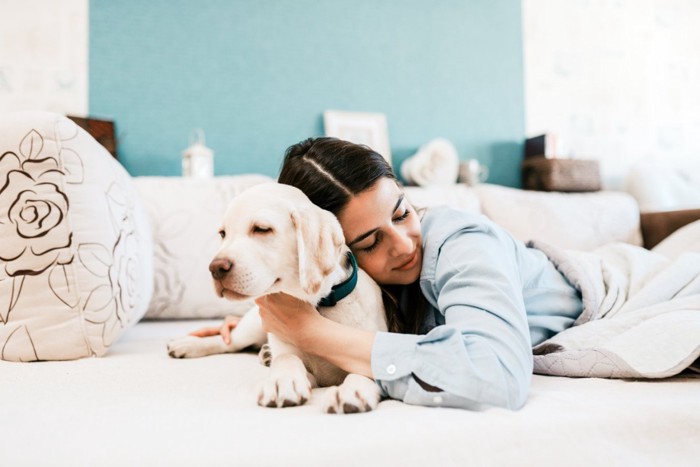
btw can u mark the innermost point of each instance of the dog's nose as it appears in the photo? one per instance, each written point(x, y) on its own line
point(219, 267)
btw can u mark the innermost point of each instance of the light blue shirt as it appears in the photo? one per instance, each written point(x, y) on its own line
point(491, 299)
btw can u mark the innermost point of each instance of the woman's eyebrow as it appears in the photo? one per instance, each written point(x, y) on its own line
point(367, 234)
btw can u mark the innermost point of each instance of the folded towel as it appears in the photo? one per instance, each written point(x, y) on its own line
point(435, 163)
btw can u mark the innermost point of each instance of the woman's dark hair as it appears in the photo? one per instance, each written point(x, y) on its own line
point(330, 172)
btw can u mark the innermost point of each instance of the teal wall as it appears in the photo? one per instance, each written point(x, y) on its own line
point(257, 76)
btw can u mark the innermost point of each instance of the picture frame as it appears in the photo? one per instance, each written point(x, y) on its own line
point(366, 128)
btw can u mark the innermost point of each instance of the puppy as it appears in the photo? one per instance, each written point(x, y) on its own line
point(274, 239)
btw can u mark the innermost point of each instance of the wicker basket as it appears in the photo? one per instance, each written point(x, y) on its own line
point(571, 175)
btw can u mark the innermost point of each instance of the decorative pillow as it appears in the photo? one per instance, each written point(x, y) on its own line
point(75, 251)
point(186, 215)
point(580, 221)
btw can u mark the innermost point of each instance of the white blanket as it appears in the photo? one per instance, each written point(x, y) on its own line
point(641, 316)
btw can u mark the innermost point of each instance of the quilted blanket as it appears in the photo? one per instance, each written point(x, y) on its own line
point(641, 311)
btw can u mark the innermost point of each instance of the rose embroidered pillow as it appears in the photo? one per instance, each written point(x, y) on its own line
point(75, 245)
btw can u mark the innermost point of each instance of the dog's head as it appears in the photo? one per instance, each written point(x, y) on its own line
point(274, 239)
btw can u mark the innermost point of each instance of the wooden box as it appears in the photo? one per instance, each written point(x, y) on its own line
point(101, 130)
point(570, 175)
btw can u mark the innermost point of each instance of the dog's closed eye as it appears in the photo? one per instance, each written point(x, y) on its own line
point(260, 229)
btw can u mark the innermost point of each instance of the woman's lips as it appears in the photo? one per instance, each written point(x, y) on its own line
point(410, 263)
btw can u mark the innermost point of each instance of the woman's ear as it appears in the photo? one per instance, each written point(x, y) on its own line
point(319, 242)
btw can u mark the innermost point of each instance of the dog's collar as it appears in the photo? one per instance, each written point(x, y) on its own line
point(342, 290)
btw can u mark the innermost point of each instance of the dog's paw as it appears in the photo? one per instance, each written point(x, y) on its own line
point(189, 347)
point(357, 394)
point(265, 355)
point(286, 391)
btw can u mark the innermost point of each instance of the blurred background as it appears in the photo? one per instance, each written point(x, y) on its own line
point(614, 80)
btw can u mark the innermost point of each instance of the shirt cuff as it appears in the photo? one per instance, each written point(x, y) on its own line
point(393, 356)
point(416, 395)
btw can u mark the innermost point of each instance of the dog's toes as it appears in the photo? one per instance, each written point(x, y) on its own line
point(357, 394)
point(331, 400)
point(338, 401)
point(352, 402)
point(176, 349)
point(183, 347)
point(284, 393)
point(265, 355)
point(350, 408)
point(268, 394)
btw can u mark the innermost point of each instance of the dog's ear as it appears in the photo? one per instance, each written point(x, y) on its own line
point(319, 240)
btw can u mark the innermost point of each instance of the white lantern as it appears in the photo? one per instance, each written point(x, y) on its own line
point(197, 159)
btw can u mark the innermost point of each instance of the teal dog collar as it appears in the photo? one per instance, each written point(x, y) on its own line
point(342, 290)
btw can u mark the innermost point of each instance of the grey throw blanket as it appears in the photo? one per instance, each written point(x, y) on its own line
point(641, 316)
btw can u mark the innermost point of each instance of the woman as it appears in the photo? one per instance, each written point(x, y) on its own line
point(465, 301)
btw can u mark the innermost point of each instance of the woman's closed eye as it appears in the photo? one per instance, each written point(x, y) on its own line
point(379, 236)
point(371, 248)
point(375, 244)
point(403, 215)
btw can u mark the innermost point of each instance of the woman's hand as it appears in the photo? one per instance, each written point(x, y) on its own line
point(288, 318)
point(229, 323)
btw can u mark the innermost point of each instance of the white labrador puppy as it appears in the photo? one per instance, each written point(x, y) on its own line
point(274, 239)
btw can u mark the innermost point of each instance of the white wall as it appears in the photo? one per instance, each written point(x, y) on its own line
point(616, 80)
point(44, 55)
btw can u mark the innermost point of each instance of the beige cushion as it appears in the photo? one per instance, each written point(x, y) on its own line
point(663, 186)
point(76, 252)
point(456, 195)
point(580, 221)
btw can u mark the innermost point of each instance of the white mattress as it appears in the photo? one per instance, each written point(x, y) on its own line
point(137, 406)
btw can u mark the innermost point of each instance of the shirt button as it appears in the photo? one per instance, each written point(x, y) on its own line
point(391, 369)
point(437, 399)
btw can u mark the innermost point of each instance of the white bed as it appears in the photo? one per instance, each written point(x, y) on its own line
point(137, 406)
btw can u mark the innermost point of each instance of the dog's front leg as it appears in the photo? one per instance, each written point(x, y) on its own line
point(289, 383)
point(248, 332)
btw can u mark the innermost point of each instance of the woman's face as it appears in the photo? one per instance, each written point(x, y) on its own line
point(383, 231)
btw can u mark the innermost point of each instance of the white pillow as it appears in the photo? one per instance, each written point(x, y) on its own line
point(580, 221)
point(663, 186)
point(186, 215)
point(76, 252)
point(457, 195)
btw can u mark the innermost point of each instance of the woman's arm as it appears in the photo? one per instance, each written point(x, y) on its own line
point(300, 324)
point(346, 347)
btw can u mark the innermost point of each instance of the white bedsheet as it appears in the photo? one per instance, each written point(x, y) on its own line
point(137, 406)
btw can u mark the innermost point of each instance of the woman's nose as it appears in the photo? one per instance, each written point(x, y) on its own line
point(401, 243)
